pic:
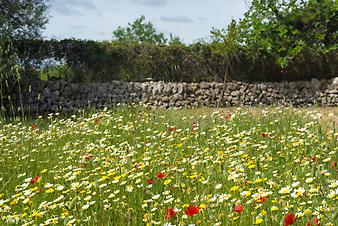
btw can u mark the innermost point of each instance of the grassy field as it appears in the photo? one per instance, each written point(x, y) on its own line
point(137, 166)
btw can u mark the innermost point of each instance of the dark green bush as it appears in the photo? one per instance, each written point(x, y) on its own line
point(91, 61)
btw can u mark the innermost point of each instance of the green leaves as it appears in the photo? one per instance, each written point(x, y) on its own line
point(139, 31)
point(9, 76)
point(19, 19)
point(22, 18)
point(282, 29)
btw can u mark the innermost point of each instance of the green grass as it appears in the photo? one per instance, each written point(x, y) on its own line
point(97, 169)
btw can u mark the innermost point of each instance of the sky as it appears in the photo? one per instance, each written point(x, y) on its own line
point(191, 20)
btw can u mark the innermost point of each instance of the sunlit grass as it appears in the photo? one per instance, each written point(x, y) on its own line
point(136, 166)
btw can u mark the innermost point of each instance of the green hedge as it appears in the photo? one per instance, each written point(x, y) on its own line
point(91, 61)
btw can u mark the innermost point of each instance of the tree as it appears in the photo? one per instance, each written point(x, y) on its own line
point(140, 31)
point(282, 29)
point(225, 44)
point(22, 18)
point(19, 19)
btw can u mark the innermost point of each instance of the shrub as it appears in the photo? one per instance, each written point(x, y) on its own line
point(91, 61)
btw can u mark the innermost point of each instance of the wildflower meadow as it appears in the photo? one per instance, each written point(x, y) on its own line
point(138, 166)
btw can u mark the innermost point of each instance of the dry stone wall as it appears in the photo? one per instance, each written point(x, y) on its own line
point(61, 96)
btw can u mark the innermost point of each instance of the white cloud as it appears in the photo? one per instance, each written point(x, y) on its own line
point(71, 7)
point(176, 19)
point(150, 2)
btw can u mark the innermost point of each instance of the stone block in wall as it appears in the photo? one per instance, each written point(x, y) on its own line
point(102, 89)
point(157, 88)
point(333, 84)
point(134, 95)
point(137, 87)
point(204, 85)
point(315, 84)
point(177, 97)
point(110, 87)
point(130, 86)
point(144, 87)
point(123, 86)
point(235, 93)
point(292, 85)
point(167, 89)
point(174, 88)
point(68, 91)
point(38, 85)
point(55, 96)
point(47, 92)
point(233, 86)
point(116, 83)
point(193, 87)
point(165, 99)
point(180, 88)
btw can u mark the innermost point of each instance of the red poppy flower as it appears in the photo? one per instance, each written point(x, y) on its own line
point(192, 210)
point(334, 164)
point(288, 220)
point(264, 135)
point(35, 179)
point(169, 214)
point(312, 159)
point(238, 209)
point(315, 221)
point(150, 181)
point(261, 199)
point(34, 126)
point(171, 129)
point(160, 175)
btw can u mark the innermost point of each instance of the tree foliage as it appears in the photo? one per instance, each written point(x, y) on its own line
point(19, 19)
point(22, 18)
point(139, 31)
point(225, 44)
point(284, 29)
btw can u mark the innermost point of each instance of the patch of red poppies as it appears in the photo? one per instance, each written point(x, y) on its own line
point(289, 219)
point(160, 175)
point(150, 181)
point(314, 222)
point(238, 208)
point(170, 214)
point(35, 179)
point(264, 135)
point(172, 129)
point(192, 210)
